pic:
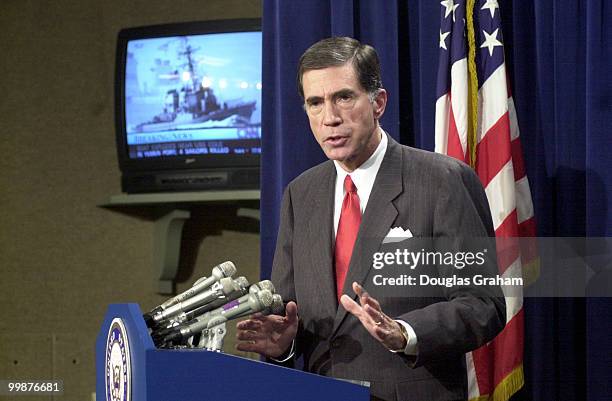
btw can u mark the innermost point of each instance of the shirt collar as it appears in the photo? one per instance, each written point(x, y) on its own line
point(364, 175)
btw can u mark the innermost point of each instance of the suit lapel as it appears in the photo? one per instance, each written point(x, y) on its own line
point(320, 234)
point(379, 215)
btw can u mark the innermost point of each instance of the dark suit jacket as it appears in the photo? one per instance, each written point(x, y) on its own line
point(433, 196)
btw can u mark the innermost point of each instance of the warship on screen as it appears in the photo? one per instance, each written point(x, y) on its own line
point(193, 104)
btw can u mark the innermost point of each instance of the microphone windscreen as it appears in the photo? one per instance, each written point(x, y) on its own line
point(227, 268)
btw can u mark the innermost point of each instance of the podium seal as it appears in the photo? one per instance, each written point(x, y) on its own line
point(117, 371)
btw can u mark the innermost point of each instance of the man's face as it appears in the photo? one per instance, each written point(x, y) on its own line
point(343, 119)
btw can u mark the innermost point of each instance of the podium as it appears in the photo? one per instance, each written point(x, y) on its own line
point(130, 367)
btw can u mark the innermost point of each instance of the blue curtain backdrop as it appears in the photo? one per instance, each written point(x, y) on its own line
point(559, 56)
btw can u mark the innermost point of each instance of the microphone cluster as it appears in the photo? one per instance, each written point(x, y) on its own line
point(196, 318)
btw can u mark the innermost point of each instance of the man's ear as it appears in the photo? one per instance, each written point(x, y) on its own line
point(380, 102)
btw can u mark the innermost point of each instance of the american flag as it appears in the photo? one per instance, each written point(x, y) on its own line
point(476, 122)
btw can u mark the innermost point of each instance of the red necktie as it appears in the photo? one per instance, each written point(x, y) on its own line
point(348, 227)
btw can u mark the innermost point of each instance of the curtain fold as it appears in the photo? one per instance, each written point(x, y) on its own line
point(598, 100)
point(559, 58)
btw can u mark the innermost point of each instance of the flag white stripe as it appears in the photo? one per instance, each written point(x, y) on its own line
point(442, 116)
point(492, 101)
point(473, 390)
point(524, 204)
point(459, 99)
point(513, 295)
point(514, 128)
point(500, 194)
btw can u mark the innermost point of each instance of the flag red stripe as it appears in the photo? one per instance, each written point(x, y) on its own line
point(505, 352)
point(509, 227)
point(529, 250)
point(507, 251)
point(493, 151)
point(529, 245)
point(527, 228)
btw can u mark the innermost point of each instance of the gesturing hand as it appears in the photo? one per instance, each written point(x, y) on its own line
point(268, 335)
point(380, 326)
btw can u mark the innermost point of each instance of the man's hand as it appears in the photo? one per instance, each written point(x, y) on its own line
point(380, 326)
point(270, 335)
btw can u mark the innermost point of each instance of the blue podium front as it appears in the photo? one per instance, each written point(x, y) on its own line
point(129, 367)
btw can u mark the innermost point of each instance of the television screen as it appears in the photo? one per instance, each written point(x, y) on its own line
point(189, 99)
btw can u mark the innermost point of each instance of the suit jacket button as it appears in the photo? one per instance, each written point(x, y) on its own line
point(336, 344)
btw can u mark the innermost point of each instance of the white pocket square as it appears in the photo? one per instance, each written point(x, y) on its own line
point(397, 234)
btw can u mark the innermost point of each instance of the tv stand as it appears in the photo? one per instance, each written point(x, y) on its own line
point(169, 211)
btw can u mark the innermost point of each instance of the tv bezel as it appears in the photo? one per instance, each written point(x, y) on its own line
point(170, 163)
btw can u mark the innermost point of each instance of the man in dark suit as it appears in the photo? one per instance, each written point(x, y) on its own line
point(406, 347)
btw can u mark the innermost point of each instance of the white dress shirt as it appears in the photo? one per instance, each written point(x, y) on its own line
point(363, 177)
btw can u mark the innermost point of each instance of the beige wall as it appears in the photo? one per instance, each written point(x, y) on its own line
point(63, 259)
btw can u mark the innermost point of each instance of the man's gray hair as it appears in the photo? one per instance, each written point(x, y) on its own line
point(335, 52)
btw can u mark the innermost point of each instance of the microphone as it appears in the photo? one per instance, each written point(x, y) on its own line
point(225, 269)
point(262, 285)
point(220, 289)
point(160, 332)
point(247, 304)
point(254, 288)
point(276, 308)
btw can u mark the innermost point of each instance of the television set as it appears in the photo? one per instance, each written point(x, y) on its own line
point(188, 106)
